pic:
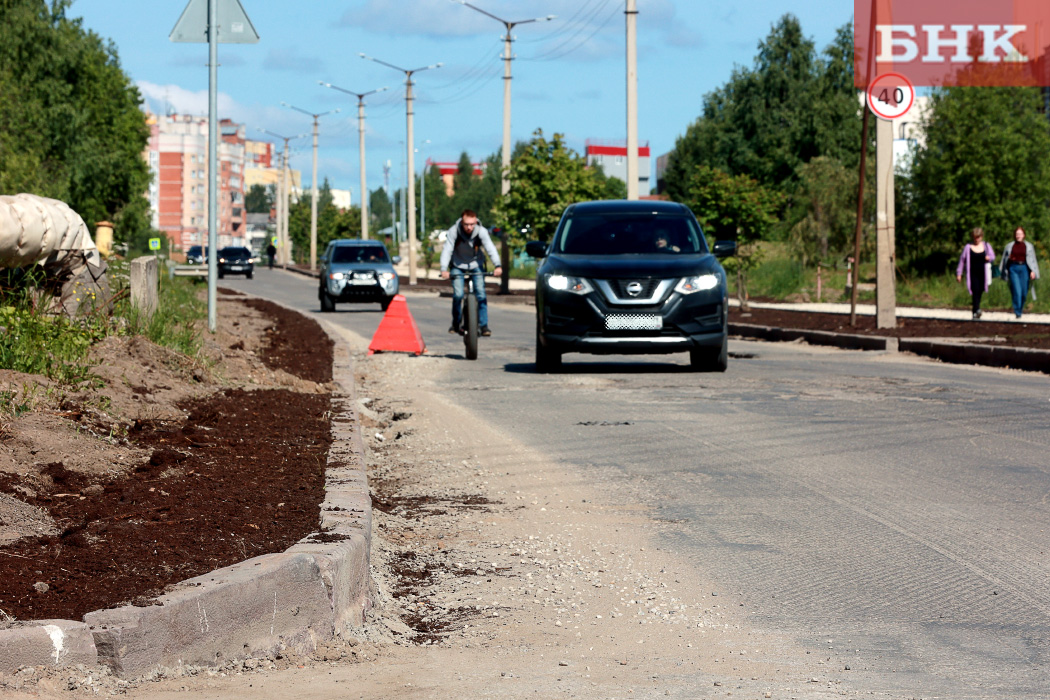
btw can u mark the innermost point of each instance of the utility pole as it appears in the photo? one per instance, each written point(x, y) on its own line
point(505, 164)
point(313, 202)
point(632, 99)
point(361, 147)
point(282, 202)
point(411, 160)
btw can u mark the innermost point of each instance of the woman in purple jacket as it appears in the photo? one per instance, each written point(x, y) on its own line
point(975, 264)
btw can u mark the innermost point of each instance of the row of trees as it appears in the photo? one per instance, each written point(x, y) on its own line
point(70, 123)
point(775, 154)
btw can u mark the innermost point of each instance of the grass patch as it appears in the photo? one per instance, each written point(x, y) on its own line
point(35, 341)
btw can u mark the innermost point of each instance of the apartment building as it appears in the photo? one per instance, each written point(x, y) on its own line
point(612, 156)
point(178, 158)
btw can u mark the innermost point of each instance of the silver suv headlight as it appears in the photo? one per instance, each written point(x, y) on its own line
point(699, 283)
point(565, 283)
point(336, 276)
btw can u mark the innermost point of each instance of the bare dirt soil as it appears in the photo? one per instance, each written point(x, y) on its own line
point(175, 467)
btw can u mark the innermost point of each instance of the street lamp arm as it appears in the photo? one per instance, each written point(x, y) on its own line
point(358, 95)
point(508, 24)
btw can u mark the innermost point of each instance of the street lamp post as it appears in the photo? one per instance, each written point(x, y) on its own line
point(313, 202)
point(505, 181)
point(282, 196)
point(361, 147)
point(411, 161)
point(632, 99)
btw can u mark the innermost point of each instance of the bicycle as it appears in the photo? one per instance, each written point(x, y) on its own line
point(471, 330)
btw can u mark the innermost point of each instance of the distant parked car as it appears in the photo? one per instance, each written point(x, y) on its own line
point(236, 260)
point(197, 255)
point(357, 271)
point(631, 277)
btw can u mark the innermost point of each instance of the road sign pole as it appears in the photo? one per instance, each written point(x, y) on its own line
point(885, 232)
point(213, 159)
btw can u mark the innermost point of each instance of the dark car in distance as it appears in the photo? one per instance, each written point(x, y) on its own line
point(197, 255)
point(236, 260)
point(627, 277)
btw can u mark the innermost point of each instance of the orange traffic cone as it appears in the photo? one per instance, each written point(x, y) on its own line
point(397, 331)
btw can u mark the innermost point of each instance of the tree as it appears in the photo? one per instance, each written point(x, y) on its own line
point(380, 210)
point(827, 210)
point(984, 164)
point(258, 200)
point(734, 207)
point(546, 177)
point(70, 123)
point(768, 120)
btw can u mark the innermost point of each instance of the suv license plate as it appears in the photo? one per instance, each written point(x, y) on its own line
point(634, 322)
point(363, 282)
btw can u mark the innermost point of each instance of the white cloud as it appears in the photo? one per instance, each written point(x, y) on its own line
point(291, 60)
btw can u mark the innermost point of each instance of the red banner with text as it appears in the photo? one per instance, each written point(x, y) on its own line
point(952, 42)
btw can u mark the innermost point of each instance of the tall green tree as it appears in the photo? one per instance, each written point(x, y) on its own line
point(734, 207)
point(984, 164)
point(546, 176)
point(380, 210)
point(791, 106)
point(827, 210)
point(70, 120)
point(258, 200)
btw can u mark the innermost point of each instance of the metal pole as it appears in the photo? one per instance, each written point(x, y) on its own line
point(504, 256)
point(632, 99)
point(361, 148)
point(885, 234)
point(411, 172)
point(423, 203)
point(286, 246)
point(279, 187)
point(213, 160)
point(313, 208)
point(863, 167)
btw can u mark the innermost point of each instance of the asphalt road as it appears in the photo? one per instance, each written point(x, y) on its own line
point(888, 513)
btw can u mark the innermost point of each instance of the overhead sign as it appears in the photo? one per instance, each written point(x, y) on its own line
point(234, 25)
point(890, 96)
point(154, 244)
point(952, 42)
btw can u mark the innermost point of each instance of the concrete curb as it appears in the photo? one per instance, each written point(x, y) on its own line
point(1029, 359)
point(846, 341)
point(315, 590)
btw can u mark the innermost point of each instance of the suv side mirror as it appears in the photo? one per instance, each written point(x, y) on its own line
point(724, 249)
point(536, 249)
point(396, 259)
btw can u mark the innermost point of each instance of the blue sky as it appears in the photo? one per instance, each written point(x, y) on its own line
point(568, 72)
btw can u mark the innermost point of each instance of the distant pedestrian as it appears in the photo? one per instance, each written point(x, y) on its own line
point(975, 264)
point(271, 252)
point(1019, 267)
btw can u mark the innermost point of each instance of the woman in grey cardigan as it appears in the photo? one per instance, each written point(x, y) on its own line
point(1019, 267)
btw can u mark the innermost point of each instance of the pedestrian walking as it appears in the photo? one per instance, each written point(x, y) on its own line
point(271, 252)
point(1019, 268)
point(975, 264)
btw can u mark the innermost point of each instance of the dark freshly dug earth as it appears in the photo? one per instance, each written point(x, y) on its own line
point(242, 476)
point(1015, 333)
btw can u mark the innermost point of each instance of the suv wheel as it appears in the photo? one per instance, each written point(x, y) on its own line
point(386, 303)
point(326, 302)
point(547, 360)
point(711, 359)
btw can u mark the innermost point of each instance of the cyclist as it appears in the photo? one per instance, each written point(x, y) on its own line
point(462, 256)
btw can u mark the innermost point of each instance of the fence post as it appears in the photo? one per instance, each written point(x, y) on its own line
point(144, 295)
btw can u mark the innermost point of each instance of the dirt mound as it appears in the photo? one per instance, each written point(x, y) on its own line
point(175, 467)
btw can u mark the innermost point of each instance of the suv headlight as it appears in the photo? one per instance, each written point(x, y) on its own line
point(387, 276)
point(565, 283)
point(699, 283)
point(336, 276)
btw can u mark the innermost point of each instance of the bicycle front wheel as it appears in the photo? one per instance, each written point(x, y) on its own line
point(470, 326)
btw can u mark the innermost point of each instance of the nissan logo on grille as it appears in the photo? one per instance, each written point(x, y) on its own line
point(634, 288)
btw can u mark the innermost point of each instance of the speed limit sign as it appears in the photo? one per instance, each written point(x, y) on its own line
point(890, 96)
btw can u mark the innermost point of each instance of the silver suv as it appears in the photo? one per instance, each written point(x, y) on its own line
point(357, 271)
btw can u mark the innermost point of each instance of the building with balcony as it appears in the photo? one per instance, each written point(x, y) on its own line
point(178, 159)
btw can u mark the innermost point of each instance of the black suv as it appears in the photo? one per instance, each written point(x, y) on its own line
point(236, 260)
point(628, 278)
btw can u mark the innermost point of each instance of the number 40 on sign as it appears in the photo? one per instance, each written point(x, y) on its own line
point(890, 96)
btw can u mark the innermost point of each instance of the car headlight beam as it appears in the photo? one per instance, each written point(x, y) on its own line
point(567, 283)
point(336, 276)
point(698, 283)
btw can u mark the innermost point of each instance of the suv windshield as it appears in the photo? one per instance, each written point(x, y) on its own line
point(235, 252)
point(359, 254)
point(626, 234)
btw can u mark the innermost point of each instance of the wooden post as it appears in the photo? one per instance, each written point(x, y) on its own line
point(144, 292)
